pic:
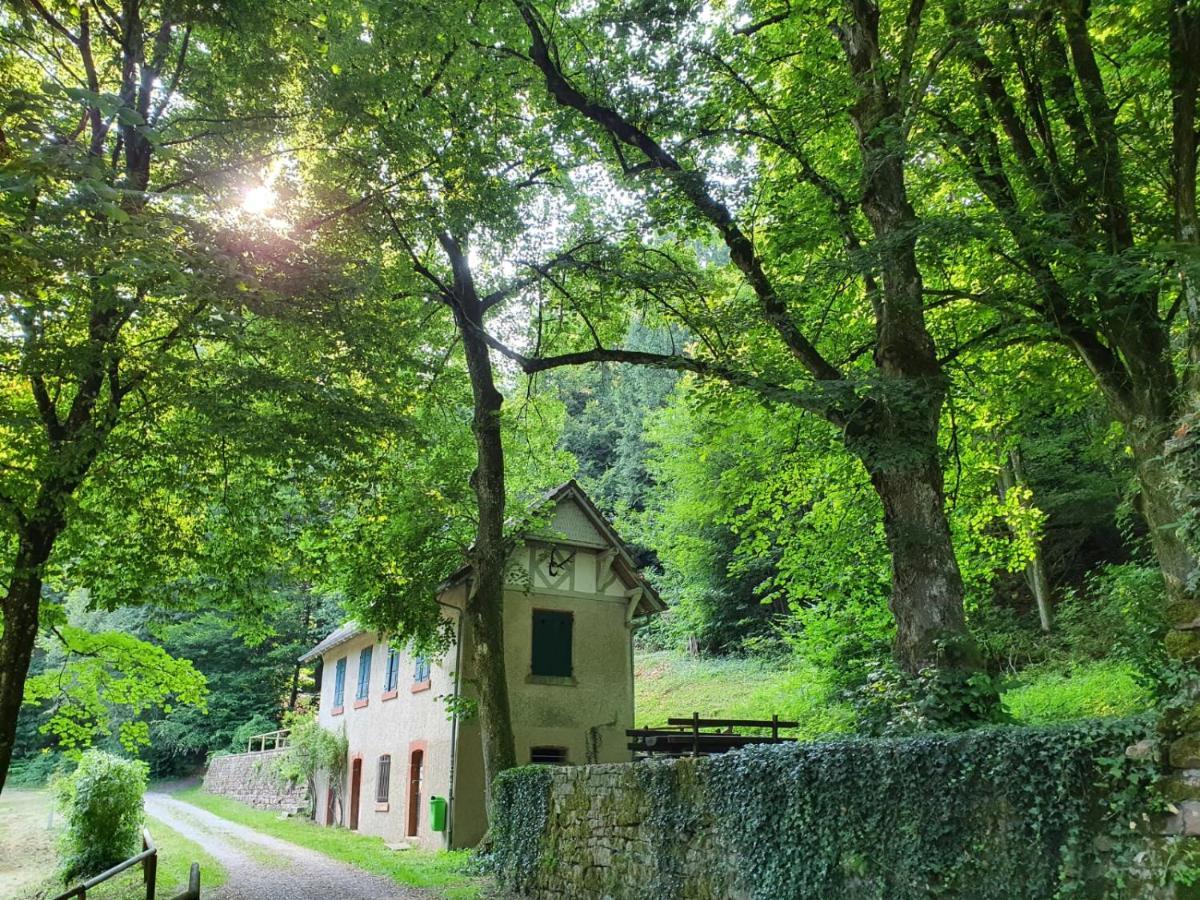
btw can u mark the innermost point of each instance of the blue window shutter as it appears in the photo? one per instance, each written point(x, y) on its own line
point(421, 671)
point(364, 674)
point(393, 670)
point(339, 683)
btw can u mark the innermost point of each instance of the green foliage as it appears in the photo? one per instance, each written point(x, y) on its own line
point(258, 725)
point(102, 803)
point(1121, 613)
point(311, 751)
point(889, 702)
point(992, 813)
point(1089, 690)
point(36, 770)
point(106, 682)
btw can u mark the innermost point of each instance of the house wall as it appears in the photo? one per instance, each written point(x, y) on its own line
point(588, 714)
point(414, 718)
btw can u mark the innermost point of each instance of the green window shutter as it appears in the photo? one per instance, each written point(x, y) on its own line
point(552, 635)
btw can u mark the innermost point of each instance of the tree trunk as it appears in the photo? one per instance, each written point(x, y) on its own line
point(1011, 476)
point(20, 620)
point(1159, 506)
point(485, 604)
point(898, 442)
point(927, 587)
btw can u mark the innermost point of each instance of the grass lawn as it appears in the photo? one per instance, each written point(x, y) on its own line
point(1095, 689)
point(442, 871)
point(668, 684)
point(28, 857)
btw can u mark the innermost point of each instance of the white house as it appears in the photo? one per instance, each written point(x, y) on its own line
point(573, 600)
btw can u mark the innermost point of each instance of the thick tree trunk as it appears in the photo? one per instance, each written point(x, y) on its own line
point(1159, 506)
point(927, 587)
point(899, 441)
point(485, 605)
point(20, 621)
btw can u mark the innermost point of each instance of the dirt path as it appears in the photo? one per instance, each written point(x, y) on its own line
point(267, 868)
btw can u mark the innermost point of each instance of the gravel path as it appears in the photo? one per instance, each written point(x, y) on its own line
point(267, 868)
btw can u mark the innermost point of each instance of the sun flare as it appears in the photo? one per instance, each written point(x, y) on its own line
point(258, 200)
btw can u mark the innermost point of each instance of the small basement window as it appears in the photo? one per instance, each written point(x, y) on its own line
point(548, 756)
point(552, 643)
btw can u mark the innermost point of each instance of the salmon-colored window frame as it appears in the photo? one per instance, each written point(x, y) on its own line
point(412, 804)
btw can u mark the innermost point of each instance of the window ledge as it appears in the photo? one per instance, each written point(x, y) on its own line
point(565, 680)
point(390, 695)
point(421, 686)
point(359, 704)
point(337, 710)
point(381, 807)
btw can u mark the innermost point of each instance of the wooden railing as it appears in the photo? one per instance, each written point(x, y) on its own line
point(277, 739)
point(149, 861)
point(685, 737)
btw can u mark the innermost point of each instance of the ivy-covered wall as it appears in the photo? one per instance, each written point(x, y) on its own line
point(997, 813)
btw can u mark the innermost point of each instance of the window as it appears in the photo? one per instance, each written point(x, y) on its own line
point(552, 643)
point(548, 756)
point(392, 677)
point(339, 684)
point(421, 671)
point(364, 674)
point(383, 779)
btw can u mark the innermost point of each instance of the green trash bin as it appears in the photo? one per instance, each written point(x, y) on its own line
point(437, 813)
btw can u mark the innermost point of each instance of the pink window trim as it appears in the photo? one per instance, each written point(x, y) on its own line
point(337, 710)
point(390, 695)
point(422, 686)
point(359, 704)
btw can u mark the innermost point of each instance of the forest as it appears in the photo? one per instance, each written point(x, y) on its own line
point(872, 325)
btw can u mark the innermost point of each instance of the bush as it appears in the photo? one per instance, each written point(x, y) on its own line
point(35, 771)
point(102, 804)
point(312, 750)
point(1121, 615)
point(259, 724)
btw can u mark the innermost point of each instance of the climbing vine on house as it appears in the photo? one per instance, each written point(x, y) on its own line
point(313, 750)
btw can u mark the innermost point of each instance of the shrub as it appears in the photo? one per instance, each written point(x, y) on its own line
point(312, 750)
point(259, 724)
point(1087, 691)
point(36, 770)
point(1121, 615)
point(102, 804)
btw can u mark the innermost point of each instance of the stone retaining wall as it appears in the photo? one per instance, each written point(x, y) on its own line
point(990, 815)
point(252, 779)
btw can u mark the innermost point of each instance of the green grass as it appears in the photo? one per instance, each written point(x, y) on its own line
point(669, 685)
point(175, 857)
point(1089, 690)
point(672, 685)
point(441, 870)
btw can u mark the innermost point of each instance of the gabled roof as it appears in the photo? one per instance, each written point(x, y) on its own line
point(347, 632)
point(649, 603)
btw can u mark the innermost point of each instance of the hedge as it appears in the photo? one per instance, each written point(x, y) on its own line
point(994, 813)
